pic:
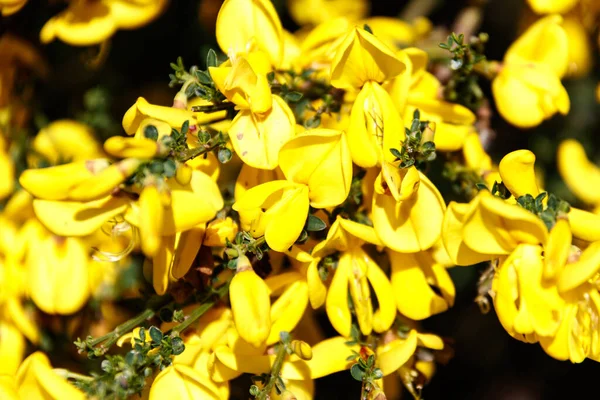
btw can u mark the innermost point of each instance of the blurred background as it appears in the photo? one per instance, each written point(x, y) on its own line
point(487, 362)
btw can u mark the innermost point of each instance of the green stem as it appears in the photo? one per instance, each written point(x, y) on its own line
point(198, 312)
point(213, 107)
point(111, 338)
point(65, 373)
point(265, 393)
point(198, 151)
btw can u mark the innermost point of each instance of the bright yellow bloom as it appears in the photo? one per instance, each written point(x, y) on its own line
point(277, 210)
point(415, 88)
point(292, 291)
point(528, 89)
point(408, 210)
point(86, 23)
point(219, 231)
point(65, 140)
point(320, 159)
point(361, 58)
point(552, 6)
point(417, 279)
point(257, 138)
point(175, 117)
point(580, 48)
point(37, 380)
point(257, 27)
point(355, 274)
point(250, 177)
point(579, 173)
point(180, 382)
point(9, 7)
point(307, 12)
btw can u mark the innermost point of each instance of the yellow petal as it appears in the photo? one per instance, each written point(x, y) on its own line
point(414, 277)
point(518, 174)
point(336, 304)
point(375, 127)
point(551, 6)
point(557, 250)
point(383, 317)
point(257, 27)
point(58, 274)
point(188, 244)
point(12, 349)
point(250, 304)
point(54, 183)
point(162, 263)
point(317, 291)
point(580, 271)
point(71, 218)
point(36, 379)
point(581, 176)
point(151, 219)
point(362, 57)
point(8, 387)
point(410, 225)
point(330, 356)
point(104, 182)
point(66, 140)
point(475, 155)
point(257, 139)
point(124, 147)
point(584, 225)
point(288, 309)
point(141, 110)
point(543, 42)
point(319, 158)
point(393, 355)
point(180, 382)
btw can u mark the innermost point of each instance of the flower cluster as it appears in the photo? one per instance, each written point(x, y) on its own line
point(297, 175)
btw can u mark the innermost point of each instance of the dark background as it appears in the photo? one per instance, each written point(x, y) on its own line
point(488, 363)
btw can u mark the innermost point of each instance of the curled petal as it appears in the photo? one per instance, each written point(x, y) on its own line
point(250, 304)
point(393, 355)
point(581, 176)
point(580, 271)
point(518, 174)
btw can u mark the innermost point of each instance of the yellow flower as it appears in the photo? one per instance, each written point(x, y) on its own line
point(219, 231)
point(524, 304)
point(422, 287)
point(408, 210)
point(580, 48)
point(320, 159)
point(307, 12)
point(49, 260)
point(12, 348)
point(257, 138)
point(257, 27)
point(250, 177)
point(552, 6)
point(9, 7)
point(86, 23)
point(356, 272)
point(292, 291)
point(375, 127)
point(175, 117)
point(397, 33)
point(250, 305)
point(579, 173)
point(363, 58)
point(37, 380)
point(65, 140)
point(487, 228)
point(181, 382)
point(415, 88)
point(528, 89)
point(244, 82)
point(7, 173)
point(277, 210)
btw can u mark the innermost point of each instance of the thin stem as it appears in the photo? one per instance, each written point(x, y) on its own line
point(198, 312)
point(213, 107)
point(198, 151)
point(65, 373)
point(265, 393)
point(111, 338)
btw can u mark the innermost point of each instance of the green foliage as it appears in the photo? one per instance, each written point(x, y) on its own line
point(417, 148)
point(196, 82)
point(555, 207)
point(463, 86)
point(125, 375)
point(365, 371)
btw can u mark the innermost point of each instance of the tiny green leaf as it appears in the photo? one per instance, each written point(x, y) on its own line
point(357, 373)
point(315, 224)
point(211, 59)
point(156, 334)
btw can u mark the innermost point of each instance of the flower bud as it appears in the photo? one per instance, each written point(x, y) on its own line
point(302, 349)
point(183, 176)
point(218, 231)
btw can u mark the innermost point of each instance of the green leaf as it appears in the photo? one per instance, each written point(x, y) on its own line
point(254, 390)
point(293, 97)
point(156, 334)
point(169, 168)
point(312, 122)
point(211, 59)
point(368, 29)
point(396, 153)
point(177, 345)
point(142, 334)
point(204, 77)
point(285, 337)
point(315, 224)
point(357, 373)
point(185, 127)
point(224, 155)
point(377, 374)
point(151, 132)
